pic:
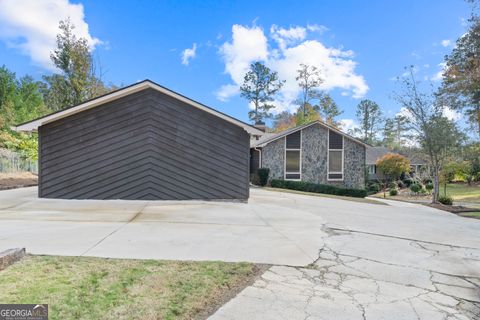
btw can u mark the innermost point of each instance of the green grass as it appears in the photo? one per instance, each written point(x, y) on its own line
point(462, 192)
point(95, 288)
point(470, 214)
point(364, 200)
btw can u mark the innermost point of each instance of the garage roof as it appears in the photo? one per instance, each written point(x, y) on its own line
point(145, 84)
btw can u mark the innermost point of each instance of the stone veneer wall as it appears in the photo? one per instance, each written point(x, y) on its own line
point(314, 154)
point(272, 158)
point(354, 170)
point(314, 159)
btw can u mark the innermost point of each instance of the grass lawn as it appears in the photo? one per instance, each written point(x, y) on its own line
point(95, 288)
point(463, 192)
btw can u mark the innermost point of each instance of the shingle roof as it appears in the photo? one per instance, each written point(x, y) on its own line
point(375, 153)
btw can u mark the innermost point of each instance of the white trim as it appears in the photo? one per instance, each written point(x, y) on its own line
point(285, 159)
point(328, 158)
point(33, 125)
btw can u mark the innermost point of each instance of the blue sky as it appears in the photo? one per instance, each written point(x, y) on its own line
point(361, 46)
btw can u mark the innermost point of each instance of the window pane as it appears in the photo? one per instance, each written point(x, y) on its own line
point(335, 161)
point(293, 140)
point(335, 140)
point(293, 161)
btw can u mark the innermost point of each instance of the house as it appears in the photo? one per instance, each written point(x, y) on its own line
point(417, 164)
point(143, 141)
point(314, 152)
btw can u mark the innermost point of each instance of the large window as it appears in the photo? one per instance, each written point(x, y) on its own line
point(335, 156)
point(293, 153)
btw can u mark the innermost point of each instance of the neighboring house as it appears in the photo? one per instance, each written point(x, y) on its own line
point(417, 164)
point(315, 152)
point(143, 141)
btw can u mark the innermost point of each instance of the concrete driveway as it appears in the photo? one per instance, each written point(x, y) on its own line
point(335, 259)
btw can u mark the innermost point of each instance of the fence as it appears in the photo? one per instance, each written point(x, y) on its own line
point(13, 162)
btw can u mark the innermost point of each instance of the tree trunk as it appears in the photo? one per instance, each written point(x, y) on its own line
point(436, 186)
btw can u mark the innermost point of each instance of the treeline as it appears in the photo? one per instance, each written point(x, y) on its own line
point(23, 99)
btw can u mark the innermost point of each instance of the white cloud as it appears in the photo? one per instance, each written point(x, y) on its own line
point(247, 45)
point(348, 125)
point(289, 36)
point(446, 43)
point(31, 26)
point(189, 54)
point(283, 52)
point(226, 91)
point(438, 76)
point(405, 113)
point(451, 114)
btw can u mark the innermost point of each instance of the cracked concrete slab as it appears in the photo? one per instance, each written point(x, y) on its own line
point(333, 259)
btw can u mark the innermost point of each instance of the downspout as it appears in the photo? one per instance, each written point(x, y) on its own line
point(260, 156)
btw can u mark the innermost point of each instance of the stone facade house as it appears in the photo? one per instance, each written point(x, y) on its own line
point(314, 152)
point(418, 165)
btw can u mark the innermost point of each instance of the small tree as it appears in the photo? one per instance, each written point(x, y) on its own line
point(392, 166)
point(438, 136)
point(259, 87)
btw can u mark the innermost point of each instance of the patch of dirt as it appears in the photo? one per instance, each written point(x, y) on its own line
point(233, 291)
point(17, 180)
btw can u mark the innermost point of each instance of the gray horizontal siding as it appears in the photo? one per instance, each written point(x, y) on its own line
point(144, 146)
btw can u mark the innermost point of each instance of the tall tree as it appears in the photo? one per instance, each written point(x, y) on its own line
point(77, 80)
point(395, 132)
point(461, 79)
point(438, 136)
point(259, 87)
point(370, 119)
point(309, 80)
point(329, 110)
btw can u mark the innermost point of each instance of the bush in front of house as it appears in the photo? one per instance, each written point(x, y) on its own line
point(263, 176)
point(429, 187)
point(392, 185)
point(445, 200)
point(318, 188)
point(393, 192)
point(415, 188)
point(373, 187)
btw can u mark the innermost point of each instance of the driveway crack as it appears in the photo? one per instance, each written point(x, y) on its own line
point(114, 231)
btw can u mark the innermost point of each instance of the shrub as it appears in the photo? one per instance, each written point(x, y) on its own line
point(445, 200)
point(400, 184)
point(427, 180)
point(415, 188)
point(373, 187)
point(318, 188)
point(429, 187)
point(392, 185)
point(393, 192)
point(408, 182)
point(263, 176)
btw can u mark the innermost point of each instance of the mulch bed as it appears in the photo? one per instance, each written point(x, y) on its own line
point(452, 209)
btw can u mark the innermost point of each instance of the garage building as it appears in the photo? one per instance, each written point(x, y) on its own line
point(142, 142)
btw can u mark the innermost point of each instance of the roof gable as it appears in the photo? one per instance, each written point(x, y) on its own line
point(270, 138)
point(146, 84)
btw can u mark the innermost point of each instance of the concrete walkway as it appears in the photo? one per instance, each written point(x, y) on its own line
point(334, 259)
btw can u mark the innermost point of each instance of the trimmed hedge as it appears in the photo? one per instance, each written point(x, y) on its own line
point(318, 188)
